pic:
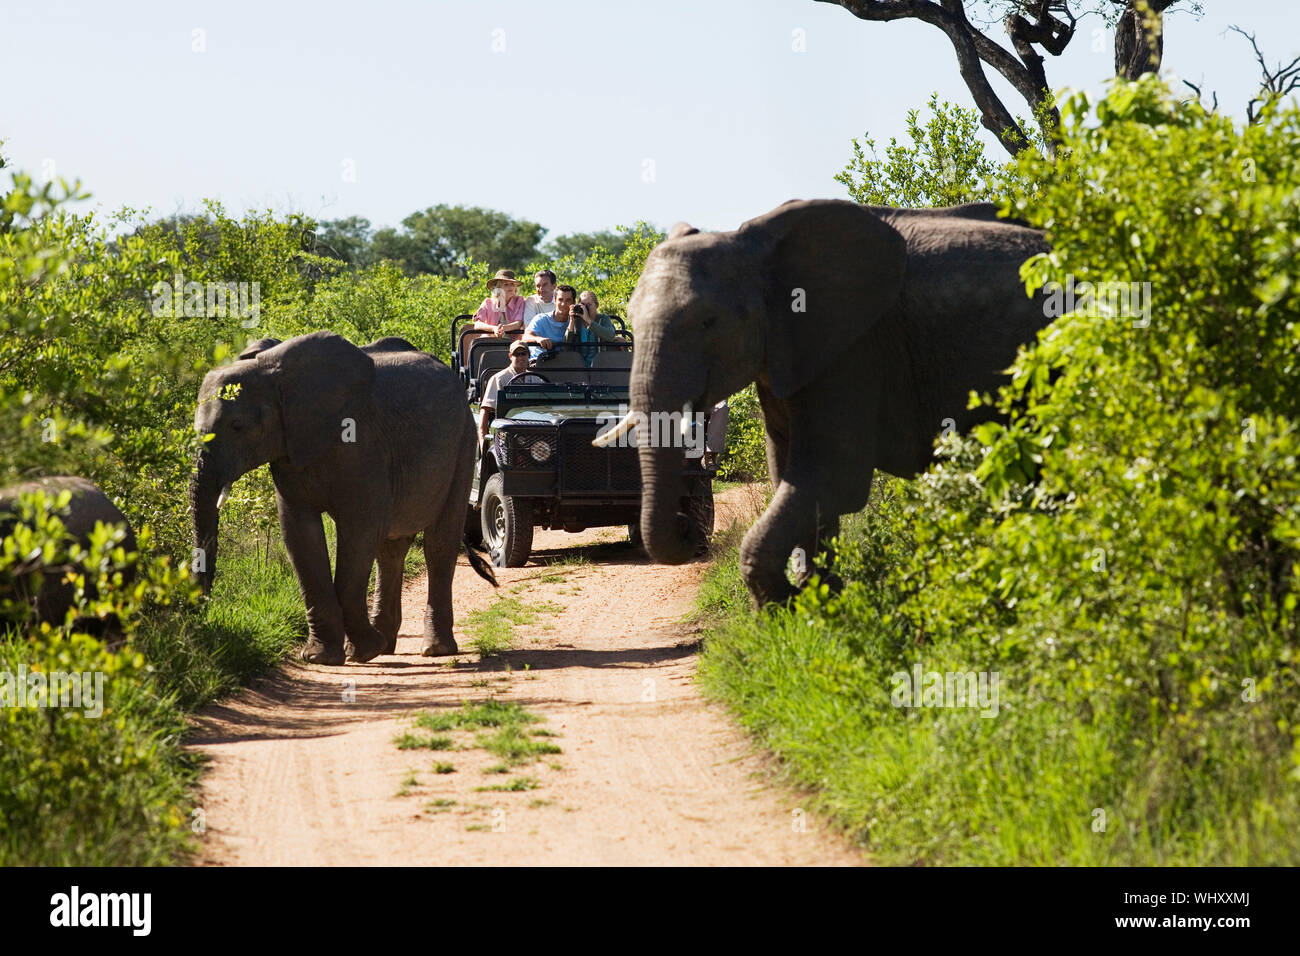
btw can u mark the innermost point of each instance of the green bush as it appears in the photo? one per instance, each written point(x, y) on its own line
point(1121, 553)
point(745, 458)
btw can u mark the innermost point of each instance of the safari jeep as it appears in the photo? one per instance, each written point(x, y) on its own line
point(538, 467)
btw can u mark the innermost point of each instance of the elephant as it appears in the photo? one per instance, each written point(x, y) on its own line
point(378, 437)
point(87, 506)
point(865, 328)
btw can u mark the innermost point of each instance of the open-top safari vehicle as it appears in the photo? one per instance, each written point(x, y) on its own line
point(538, 467)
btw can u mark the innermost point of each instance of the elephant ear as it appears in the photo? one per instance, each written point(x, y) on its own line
point(835, 271)
point(322, 379)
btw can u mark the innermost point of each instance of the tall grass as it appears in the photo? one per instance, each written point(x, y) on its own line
point(1044, 783)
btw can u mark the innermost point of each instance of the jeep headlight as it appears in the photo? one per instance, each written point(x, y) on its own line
point(540, 451)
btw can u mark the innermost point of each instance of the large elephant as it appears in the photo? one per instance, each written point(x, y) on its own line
point(87, 506)
point(865, 328)
point(381, 439)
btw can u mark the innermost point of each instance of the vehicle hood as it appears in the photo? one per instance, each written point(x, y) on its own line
point(554, 414)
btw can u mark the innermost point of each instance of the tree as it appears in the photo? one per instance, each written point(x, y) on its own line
point(438, 240)
point(346, 239)
point(580, 245)
point(945, 165)
point(1030, 25)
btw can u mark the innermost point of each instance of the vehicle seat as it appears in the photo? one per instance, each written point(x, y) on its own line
point(466, 346)
point(612, 368)
point(565, 366)
point(488, 352)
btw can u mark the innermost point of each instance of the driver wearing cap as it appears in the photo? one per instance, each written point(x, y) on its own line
point(518, 368)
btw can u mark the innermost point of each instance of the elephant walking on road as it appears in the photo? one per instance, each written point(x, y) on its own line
point(381, 439)
point(865, 329)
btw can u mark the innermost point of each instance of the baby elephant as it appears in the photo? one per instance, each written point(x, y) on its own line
point(88, 505)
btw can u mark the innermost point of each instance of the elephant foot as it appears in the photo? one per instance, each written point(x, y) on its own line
point(367, 649)
point(439, 648)
point(315, 652)
point(768, 588)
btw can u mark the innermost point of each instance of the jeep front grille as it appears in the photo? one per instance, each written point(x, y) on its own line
point(586, 468)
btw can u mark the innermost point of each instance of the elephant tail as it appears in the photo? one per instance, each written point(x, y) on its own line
point(481, 567)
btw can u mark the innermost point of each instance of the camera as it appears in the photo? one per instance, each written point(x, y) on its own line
point(579, 311)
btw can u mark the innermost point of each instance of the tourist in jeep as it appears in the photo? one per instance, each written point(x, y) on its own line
point(550, 331)
point(503, 310)
point(543, 300)
point(593, 326)
point(517, 369)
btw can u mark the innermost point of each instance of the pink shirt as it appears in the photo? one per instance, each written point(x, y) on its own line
point(514, 311)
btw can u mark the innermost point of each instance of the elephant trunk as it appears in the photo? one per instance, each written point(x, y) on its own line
point(205, 491)
point(665, 530)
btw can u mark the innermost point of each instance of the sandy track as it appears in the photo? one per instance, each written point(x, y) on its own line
point(304, 770)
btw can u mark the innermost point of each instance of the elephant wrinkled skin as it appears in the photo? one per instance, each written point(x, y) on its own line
point(865, 329)
point(379, 438)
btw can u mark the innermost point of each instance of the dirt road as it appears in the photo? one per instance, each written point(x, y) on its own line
point(305, 770)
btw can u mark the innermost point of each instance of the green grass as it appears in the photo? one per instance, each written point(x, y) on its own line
point(410, 741)
point(120, 790)
point(254, 618)
point(492, 629)
point(512, 745)
point(514, 786)
point(947, 787)
point(441, 766)
point(488, 713)
point(503, 728)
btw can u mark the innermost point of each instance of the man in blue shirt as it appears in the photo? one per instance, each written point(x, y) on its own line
point(547, 332)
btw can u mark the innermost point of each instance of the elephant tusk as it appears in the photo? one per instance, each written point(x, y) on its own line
point(615, 433)
point(686, 422)
point(625, 425)
point(223, 497)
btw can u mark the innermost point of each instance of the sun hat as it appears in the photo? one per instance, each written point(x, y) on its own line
point(503, 275)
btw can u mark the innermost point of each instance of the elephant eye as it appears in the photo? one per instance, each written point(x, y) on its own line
point(237, 426)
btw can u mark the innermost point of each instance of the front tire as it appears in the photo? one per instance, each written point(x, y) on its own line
point(507, 525)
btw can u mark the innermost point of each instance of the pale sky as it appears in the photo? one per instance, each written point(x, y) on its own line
point(577, 115)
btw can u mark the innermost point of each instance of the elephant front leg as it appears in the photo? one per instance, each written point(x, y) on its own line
point(388, 590)
point(357, 549)
point(819, 544)
point(304, 539)
point(793, 520)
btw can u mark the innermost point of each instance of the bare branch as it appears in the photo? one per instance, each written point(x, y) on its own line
point(972, 49)
point(1197, 90)
point(1276, 83)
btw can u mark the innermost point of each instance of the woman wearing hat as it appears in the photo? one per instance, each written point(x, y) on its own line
point(503, 310)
